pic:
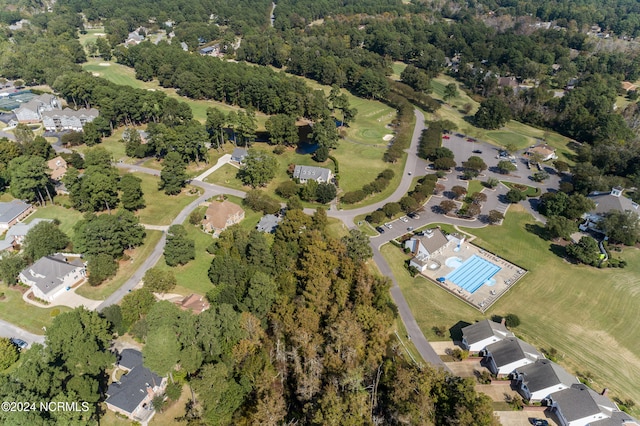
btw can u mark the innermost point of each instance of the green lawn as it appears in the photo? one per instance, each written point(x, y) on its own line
point(587, 314)
point(474, 186)
point(160, 208)
point(226, 176)
point(126, 270)
point(67, 217)
point(251, 218)
point(113, 145)
point(531, 191)
point(32, 318)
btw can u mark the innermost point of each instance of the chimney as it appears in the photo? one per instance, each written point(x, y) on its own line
point(604, 392)
point(503, 321)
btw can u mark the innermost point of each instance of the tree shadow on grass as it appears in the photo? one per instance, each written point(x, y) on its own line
point(560, 251)
point(537, 229)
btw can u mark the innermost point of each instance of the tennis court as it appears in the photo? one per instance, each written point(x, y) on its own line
point(14, 100)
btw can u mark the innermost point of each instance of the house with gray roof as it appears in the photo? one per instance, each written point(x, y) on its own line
point(50, 276)
point(580, 405)
point(505, 356)
point(606, 202)
point(131, 396)
point(68, 119)
point(268, 223)
point(305, 173)
point(15, 235)
point(538, 380)
point(476, 337)
point(13, 211)
point(238, 155)
point(31, 112)
point(423, 247)
point(618, 418)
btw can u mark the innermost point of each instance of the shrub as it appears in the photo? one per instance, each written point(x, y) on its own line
point(196, 217)
point(279, 149)
point(353, 197)
point(55, 312)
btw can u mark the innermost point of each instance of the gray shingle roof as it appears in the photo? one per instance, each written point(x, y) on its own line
point(544, 374)
point(11, 210)
point(132, 388)
point(311, 172)
point(511, 350)
point(607, 202)
point(433, 241)
point(21, 229)
point(619, 418)
point(130, 358)
point(483, 330)
point(580, 401)
point(48, 272)
point(238, 154)
point(268, 223)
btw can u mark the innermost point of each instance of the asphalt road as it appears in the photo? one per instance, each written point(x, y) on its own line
point(9, 330)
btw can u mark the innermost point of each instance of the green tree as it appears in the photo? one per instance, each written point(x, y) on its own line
point(132, 195)
point(447, 206)
point(44, 239)
point(100, 267)
point(161, 351)
point(450, 91)
point(173, 176)
point(515, 196)
point(108, 234)
point(113, 314)
point(326, 192)
point(492, 182)
point(214, 125)
point(179, 248)
point(622, 227)
point(391, 209)
point(159, 281)
point(585, 251)
point(505, 167)
point(259, 168)
point(8, 353)
point(560, 227)
point(30, 179)
point(492, 114)
point(357, 244)
point(11, 264)
point(494, 217)
point(282, 130)
point(444, 163)
point(475, 164)
point(325, 133)
point(287, 189)
point(136, 305)
point(540, 176)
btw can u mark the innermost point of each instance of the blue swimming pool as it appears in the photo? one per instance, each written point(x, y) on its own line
point(472, 273)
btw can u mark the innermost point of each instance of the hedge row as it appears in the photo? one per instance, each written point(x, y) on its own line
point(402, 126)
point(378, 185)
point(419, 99)
point(430, 139)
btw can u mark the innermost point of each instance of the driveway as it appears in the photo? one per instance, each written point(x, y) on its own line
point(221, 162)
point(465, 368)
point(521, 418)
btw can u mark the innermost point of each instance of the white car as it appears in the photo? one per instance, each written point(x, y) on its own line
point(404, 219)
point(388, 225)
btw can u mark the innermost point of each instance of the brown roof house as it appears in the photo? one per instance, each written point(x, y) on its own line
point(220, 215)
point(58, 167)
point(194, 303)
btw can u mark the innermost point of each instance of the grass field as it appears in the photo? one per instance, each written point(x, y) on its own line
point(474, 186)
point(67, 217)
point(588, 315)
point(160, 208)
point(126, 270)
point(531, 191)
point(16, 311)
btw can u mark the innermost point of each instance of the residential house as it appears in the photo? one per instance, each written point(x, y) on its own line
point(15, 235)
point(220, 215)
point(545, 152)
point(580, 405)
point(58, 167)
point(476, 337)
point(194, 303)
point(52, 275)
point(131, 396)
point(538, 380)
point(606, 202)
point(505, 356)
point(13, 211)
point(31, 112)
point(68, 119)
point(184, 46)
point(432, 242)
point(209, 50)
point(618, 418)
point(305, 173)
point(511, 82)
point(238, 155)
point(134, 38)
point(628, 86)
point(268, 223)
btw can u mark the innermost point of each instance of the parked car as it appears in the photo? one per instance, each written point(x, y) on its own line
point(409, 173)
point(388, 225)
point(410, 228)
point(540, 422)
point(446, 137)
point(404, 219)
point(477, 151)
point(414, 215)
point(380, 229)
point(19, 343)
point(471, 140)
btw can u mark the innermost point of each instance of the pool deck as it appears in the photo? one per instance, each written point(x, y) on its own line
point(485, 296)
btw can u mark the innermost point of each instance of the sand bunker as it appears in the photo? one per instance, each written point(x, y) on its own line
point(104, 64)
point(387, 138)
point(95, 74)
point(99, 34)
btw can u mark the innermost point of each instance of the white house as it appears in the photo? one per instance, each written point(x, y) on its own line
point(68, 119)
point(606, 202)
point(305, 173)
point(432, 242)
point(478, 336)
point(50, 276)
point(580, 405)
point(545, 151)
point(505, 356)
point(538, 380)
point(31, 112)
